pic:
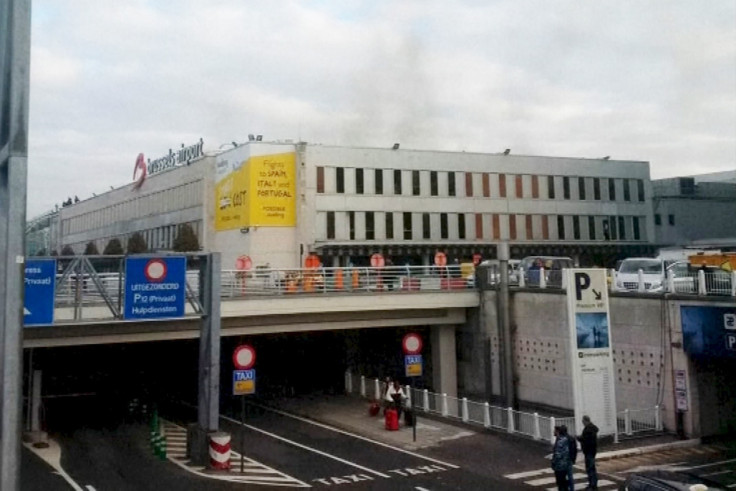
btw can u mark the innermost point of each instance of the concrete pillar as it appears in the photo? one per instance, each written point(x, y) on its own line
point(36, 401)
point(444, 360)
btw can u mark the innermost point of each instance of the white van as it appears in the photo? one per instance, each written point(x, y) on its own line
point(653, 274)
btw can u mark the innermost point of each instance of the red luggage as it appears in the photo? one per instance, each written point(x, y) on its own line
point(392, 420)
point(373, 409)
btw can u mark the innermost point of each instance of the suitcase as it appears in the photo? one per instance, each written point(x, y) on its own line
point(409, 417)
point(392, 420)
point(373, 409)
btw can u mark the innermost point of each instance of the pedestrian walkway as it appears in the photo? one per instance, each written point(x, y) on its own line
point(243, 470)
point(545, 479)
point(351, 414)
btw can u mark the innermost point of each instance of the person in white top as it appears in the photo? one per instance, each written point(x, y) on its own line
point(395, 394)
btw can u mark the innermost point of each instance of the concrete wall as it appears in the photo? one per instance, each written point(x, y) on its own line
point(646, 337)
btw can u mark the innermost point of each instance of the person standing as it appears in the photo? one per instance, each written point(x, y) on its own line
point(589, 443)
point(561, 463)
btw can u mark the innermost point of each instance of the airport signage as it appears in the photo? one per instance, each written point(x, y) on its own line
point(413, 365)
point(155, 287)
point(175, 159)
point(244, 382)
point(40, 284)
point(590, 347)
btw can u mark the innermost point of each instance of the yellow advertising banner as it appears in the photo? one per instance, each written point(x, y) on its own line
point(273, 190)
point(261, 192)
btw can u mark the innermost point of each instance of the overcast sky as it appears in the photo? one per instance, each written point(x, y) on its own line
point(640, 80)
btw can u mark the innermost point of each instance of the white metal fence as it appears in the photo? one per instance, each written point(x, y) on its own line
point(533, 425)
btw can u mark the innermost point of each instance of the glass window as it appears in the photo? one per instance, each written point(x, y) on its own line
point(469, 184)
point(640, 189)
point(535, 186)
point(320, 180)
point(451, 191)
point(389, 225)
point(443, 226)
point(415, 186)
point(433, 187)
point(397, 182)
point(576, 227)
point(560, 227)
point(611, 189)
point(591, 228)
point(486, 185)
point(627, 191)
point(566, 187)
point(657, 219)
point(351, 220)
point(359, 181)
point(519, 187)
point(596, 188)
point(425, 226)
point(612, 223)
point(340, 180)
point(551, 187)
point(370, 225)
point(502, 185)
point(330, 224)
point(637, 232)
point(379, 181)
point(581, 188)
point(407, 226)
point(461, 225)
point(671, 219)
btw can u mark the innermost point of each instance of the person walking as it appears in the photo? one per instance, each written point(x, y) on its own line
point(561, 464)
point(589, 443)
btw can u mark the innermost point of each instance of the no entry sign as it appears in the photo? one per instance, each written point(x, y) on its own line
point(244, 357)
point(412, 344)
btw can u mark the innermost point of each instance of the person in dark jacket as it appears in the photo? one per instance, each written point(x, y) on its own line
point(589, 443)
point(561, 463)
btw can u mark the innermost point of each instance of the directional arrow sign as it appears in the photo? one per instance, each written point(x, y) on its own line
point(40, 282)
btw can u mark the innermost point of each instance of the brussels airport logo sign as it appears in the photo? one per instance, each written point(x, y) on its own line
point(173, 159)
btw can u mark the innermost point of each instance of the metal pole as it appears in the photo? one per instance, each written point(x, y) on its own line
point(504, 326)
point(209, 352)
point(413, 412)
point(242, 434)
point(15, 54)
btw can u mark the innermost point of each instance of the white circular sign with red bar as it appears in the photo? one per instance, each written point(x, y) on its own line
point(155, 270)
point(244, 357)
point(412, 344)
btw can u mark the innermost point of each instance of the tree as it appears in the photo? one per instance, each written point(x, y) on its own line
point(137, 244)
point(67, 250)
point(91, 249)
point(186, 240)
point(114, 248)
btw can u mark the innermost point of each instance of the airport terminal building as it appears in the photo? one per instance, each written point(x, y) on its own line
point(277, 202)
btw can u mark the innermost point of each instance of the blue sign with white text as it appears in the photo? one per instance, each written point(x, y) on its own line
point(155, 287)
point(413, 365)
point(40, 283)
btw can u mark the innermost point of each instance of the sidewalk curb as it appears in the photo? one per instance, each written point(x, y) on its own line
point(629, 452)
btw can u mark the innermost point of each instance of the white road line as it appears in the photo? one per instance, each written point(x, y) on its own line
point(338, 430)
point(90, 488)
point(711, 464)
point(299, 445)
point(716, 473)
point(550, 480)
point(522, 475)
point(421, 489)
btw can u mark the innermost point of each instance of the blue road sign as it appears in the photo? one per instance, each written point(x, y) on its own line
point(155, 287)
point(244, 382)
point(731, 341)
point(413, 365)
point(40, 283)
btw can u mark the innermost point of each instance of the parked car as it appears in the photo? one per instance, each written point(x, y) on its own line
point(669, 481)
point(653, 274)
point(552, 266)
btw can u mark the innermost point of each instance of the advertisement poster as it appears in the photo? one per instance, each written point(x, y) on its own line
point(709, 332)
point(255, 190)
point(590, 348)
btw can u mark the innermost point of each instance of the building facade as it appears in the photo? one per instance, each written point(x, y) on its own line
point(690, 209)
point(277, 202)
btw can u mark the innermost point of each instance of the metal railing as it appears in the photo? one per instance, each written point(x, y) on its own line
point(532, 425)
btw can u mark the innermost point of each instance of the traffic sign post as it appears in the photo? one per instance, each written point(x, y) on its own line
point(40, 283)
point(244, 383)
point(155, 287)
point(412, 346)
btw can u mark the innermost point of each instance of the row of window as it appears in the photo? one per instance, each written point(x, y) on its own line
point(658, 219)
point(172, 199)
point(348, 180)
point(159, 238)
point(370, 225)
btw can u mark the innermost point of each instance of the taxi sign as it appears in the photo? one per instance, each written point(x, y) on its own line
point(244, 382)
point(413, 365)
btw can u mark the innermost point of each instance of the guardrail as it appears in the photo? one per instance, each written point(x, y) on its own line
point(532, 425)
